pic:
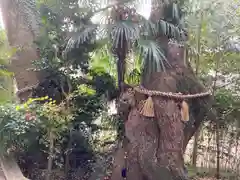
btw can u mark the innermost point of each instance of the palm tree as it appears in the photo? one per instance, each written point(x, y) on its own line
point(125, 31)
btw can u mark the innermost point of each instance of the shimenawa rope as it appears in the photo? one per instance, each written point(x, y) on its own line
point(148, 107)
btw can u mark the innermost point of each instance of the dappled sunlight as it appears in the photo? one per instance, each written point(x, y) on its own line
point(1, 21)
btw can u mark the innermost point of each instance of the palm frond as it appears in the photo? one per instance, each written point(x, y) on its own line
point(147, 27)
point(118, 33)
point(162, 28)
point(123, 31)
point(153, 55)
point(175, 11)
point(81, 35)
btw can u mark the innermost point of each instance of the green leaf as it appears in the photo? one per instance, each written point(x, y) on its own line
point(175, 12)
point(81, 36)
point(122, 32)
point(154, 58)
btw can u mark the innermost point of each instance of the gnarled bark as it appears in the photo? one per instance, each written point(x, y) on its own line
point(157, 144)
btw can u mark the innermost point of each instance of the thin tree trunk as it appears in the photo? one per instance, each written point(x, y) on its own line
point(209, 152)
point(67, 157)
point(217, 123)
point(197, 134)
point(121, 48)
point(231, 142)
point(121, 69)
point(218, 150)
point(236, 149)
point(50, 156)
point(195, 147)
point(199, 33)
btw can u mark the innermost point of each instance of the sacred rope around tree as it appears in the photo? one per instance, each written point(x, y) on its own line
point(147, 109)
point(142, 90)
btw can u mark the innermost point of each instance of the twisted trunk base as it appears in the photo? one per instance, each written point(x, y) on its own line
point(151, 153)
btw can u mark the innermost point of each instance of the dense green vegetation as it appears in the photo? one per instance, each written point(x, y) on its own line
point(65, 129)
point(6, 85)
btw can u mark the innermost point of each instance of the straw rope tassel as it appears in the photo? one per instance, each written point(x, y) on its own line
point(148, 109)
point(185, 111)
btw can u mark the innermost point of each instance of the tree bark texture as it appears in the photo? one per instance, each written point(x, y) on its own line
point(20, 37)
point(156, 145)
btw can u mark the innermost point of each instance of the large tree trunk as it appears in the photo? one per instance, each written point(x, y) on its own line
point(20, 36)
point(156, 145)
